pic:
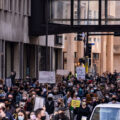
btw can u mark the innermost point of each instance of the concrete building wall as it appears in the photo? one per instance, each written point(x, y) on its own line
point(117, 62)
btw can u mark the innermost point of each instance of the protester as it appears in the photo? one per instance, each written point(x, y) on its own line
point(50, 104)
point(40, 114)
point(19, 100)
point(21, 115)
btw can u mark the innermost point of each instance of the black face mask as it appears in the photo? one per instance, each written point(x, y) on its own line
point(50, 99)
point(43, 117)
point(2, 100)
point(114, 99)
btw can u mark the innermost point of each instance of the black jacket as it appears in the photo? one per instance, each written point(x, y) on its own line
point(49, 107)
point(83, 112)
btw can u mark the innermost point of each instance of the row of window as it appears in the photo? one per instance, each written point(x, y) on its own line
point(94, 39)
point(18, 6)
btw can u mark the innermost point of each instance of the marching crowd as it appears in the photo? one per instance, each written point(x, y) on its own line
point(18, 102)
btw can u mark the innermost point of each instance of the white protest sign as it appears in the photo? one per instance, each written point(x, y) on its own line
point(62, 72)
point(8, 82)
point(56, 97)
point(47, 77)
point(39, 103)
point(80, 73)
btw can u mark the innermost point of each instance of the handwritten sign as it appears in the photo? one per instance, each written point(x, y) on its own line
point(39, 103)
point(56, 97)
point(75, 103)
point(62, 72)
point(47, 77)
point(80, 73)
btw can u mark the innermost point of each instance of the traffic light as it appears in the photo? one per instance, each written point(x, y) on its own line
point(89, 49)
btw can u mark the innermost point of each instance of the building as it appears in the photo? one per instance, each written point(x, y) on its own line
point(13, 35)
point(20, 51)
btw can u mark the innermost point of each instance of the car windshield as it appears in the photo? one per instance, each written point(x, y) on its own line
point(105, 113)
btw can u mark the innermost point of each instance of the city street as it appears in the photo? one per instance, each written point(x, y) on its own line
point(59, 60)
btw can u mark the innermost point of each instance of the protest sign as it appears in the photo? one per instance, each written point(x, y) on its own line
point(80, 73)
point(8, 82)
point(39, 103)
point(47, 77)
point(75, 103)
point(62, 72)
point(56, 97)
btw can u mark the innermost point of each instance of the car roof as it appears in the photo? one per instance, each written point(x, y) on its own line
point(109, 105)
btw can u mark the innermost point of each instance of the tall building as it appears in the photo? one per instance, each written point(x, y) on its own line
point(20, 52)
point(13, 35)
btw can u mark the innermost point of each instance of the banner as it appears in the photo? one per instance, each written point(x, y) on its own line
point(47, 77)
point(56, 97)
point(62, 72)
point(75, 103)
point(80, 73)
point(39, 103)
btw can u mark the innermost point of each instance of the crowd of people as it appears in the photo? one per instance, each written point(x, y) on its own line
point(17, 102)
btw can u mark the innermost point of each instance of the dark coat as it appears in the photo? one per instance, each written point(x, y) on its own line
point(49, 107)
point(83, 112)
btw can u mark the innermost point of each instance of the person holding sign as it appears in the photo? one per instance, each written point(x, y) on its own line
point(72, 103)
point(83, 112)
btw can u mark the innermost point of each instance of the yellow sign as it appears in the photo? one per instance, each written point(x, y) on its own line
point(75, 103)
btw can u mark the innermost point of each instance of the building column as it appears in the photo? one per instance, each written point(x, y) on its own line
point(70, 53)
point(103, 54)
point(21, 54)
point(2, 59)
point(109, 55)
point(80, 49)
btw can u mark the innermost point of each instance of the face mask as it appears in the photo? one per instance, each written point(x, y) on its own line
point(92, 91)
point(50, 99)
point(107, 96)
point(113, 99)
point(76, 93)
point(43, 117)
point(33, 117)
point(24, 98)
point(83, 103)
point(10, 100)
point(20, 117)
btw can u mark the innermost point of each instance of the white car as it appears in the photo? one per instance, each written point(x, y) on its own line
point(106, 112)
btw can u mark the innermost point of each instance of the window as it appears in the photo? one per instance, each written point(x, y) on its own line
point(58, 40)
point(6, 4)
point(65, 37)
point(90, 39)
point(75, 54)
point(11, 5)
point(94, 39)
point(90, 16)
point(96, 56)
point(75, 38)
